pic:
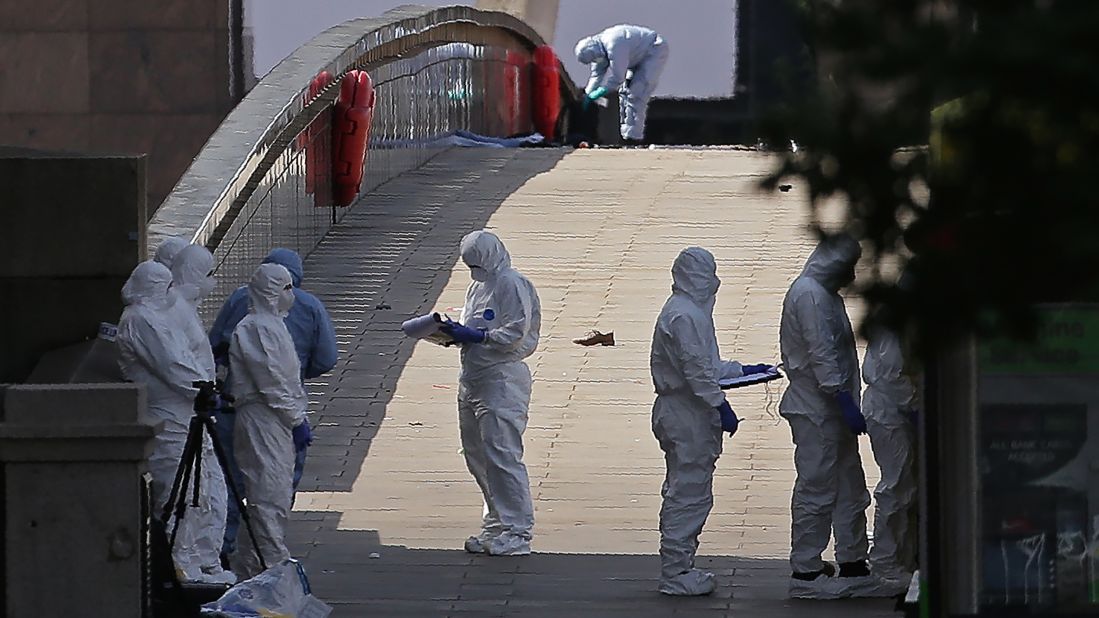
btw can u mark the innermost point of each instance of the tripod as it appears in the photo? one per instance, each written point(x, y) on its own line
point(190, 464)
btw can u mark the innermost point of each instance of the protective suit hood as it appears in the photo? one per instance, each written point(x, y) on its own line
point(148, 285)
point(267, 291)
point(169, 248)
point(191, 269)
point(589, 49)
point(485, 250)
point(694, 273)
point(833, 261)
point(289, 259)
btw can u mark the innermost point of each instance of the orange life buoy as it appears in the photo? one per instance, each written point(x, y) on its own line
point(317, 151)
point(351, 118)
point(547, 91)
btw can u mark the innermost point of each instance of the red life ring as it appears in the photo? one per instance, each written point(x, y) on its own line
point(351, 118)
point(316, 151)
point(547, 91)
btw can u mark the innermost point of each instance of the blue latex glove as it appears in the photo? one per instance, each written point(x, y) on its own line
point(754, 369)
point(303, 435)
point(463, 334)
point(729, 421)
point(851, 414)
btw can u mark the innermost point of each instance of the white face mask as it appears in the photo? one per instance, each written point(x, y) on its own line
point(285, 301)
point(206, 286)
point(712, 299)
point(478, 273)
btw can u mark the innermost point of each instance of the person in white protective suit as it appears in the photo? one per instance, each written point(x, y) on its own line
point(168, 248)
point(628, 59)
point(270, 402)
point(154, 351)
point(818, 352)
point(500, 326)
point(887, 402)
point(193, 280)
point(689, 415)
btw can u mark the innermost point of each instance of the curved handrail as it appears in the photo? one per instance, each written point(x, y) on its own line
point(247, 144)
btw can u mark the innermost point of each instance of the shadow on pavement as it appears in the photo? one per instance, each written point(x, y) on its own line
point(445, 582)
point(386, 261)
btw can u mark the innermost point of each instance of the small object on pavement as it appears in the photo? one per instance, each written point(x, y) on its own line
point(596, 338)
point(375, 555)
point(785, 188)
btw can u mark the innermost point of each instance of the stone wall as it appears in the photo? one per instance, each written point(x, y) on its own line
point(118, 76)
point(76, 230)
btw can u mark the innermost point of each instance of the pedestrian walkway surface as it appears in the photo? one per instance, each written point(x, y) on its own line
point(387, 501)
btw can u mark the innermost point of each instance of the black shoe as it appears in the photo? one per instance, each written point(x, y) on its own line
point(627, 141)
point(854, 569)
point(826, 571)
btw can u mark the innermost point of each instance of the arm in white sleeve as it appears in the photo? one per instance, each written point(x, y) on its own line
point(167, 355)
point(598, 70)
point(617, 67)
point(819, 338)
point(272, 364)
point(731, 369)
point(515, 309)
point(884, 368)
point(694, 356)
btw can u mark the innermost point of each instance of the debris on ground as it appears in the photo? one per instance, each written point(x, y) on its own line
point(596, 338)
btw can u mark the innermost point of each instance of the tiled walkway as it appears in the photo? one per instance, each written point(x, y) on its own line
point(387, 500)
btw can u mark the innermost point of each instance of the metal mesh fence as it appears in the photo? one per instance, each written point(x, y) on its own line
point(419, 100)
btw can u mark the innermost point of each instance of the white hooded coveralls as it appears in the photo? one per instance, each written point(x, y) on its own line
point(888, 394)
point(154, 351)
point(168, 249)
point(270, 402)
point(818, 352)
point(191, 282)
point(495, 384)
point(686, 367)
point(629, 59)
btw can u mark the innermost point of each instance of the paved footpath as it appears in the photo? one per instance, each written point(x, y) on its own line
point(387, 501)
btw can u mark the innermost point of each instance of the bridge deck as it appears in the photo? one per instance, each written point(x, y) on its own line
point(597, 232)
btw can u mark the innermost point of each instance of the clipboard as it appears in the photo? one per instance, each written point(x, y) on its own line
point(751, 380)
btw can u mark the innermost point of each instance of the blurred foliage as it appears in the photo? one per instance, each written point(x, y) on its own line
point(988, 106)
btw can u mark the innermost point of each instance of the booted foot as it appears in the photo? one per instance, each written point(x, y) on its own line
point(826, 571)
point(475, 545)
point(596, 338)
point(858, 568)
point(892, 586)
point(691, 583)
point(216, 575)
point(820, 585)
point(508, 544)
point(629, 141)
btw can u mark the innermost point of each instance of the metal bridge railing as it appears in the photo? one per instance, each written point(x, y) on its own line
point(434, 71)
